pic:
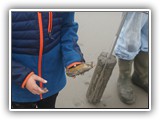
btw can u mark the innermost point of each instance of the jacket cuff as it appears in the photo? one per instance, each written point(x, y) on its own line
point(72, 64)
point(26, 79)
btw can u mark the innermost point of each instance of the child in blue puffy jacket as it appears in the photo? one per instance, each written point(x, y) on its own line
point(43, 45)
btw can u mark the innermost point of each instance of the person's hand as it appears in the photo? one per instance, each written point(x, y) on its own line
point(33, 87)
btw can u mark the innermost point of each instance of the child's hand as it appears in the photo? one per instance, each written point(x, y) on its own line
point(33, 87)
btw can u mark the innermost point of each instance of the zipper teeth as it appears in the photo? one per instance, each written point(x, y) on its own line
point(50, 22)
point(40, 48)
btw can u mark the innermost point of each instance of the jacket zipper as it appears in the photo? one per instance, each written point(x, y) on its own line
point(50, 25)
point(41, 43)
point(40, 49)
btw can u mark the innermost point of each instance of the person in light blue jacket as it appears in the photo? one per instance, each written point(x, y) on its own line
point(43, 45)
point(132, 47)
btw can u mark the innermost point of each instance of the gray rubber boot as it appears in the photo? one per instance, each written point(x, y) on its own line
point(140, 75)
point(125, 91)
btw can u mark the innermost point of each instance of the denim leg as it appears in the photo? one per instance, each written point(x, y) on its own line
point(145, 36)
point(130, 39)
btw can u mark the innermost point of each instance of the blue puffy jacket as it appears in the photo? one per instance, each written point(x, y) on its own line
point(44, 43)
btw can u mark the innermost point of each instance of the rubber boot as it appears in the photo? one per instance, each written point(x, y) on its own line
point(125, 91)
point(140, 75)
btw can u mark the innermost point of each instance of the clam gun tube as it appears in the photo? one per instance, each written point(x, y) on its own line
point(103, 71)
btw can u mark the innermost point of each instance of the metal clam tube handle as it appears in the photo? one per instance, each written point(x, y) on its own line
point(116, 38)
point(118, 32)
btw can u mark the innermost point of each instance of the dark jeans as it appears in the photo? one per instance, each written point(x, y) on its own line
point(47, 103)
